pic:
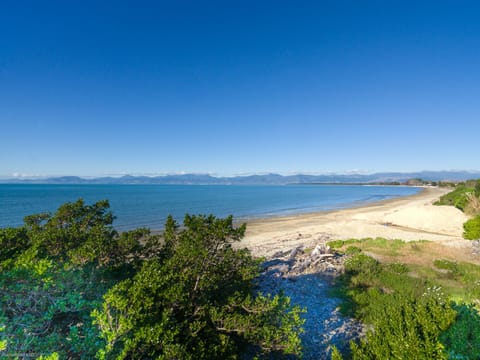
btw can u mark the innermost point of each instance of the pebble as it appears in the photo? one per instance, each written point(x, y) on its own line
point(308, 287)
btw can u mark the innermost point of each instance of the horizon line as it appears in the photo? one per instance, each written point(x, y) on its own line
point(18, 176)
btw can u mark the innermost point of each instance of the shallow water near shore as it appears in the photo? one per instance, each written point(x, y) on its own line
point(149, 205)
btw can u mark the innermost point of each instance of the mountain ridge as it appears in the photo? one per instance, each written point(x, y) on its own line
point(255, 179)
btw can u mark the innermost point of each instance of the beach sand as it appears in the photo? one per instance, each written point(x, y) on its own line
point(407, 218)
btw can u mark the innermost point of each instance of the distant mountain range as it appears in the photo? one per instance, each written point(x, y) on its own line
point(268, 179)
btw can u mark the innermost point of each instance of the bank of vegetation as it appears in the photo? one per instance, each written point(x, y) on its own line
point(466, 197)
point(74, 288)
point(71, 287)
point(418, 305)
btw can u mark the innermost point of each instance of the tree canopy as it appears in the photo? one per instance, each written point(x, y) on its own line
point(73, 287)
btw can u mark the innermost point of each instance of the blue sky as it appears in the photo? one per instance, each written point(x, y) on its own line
point(232, 87)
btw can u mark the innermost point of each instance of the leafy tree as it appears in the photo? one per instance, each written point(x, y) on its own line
point(54, 272)
point(45, 307)
point(76, 232)
point(13, 241)
point(195, 301)
point(189, 295)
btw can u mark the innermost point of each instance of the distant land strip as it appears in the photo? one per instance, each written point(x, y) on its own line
point(385, 178)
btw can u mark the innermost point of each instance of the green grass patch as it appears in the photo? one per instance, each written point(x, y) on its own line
point(338, 244)
point(379, 245)
point(465, 278)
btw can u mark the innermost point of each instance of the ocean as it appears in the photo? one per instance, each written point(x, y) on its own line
point(148, 205)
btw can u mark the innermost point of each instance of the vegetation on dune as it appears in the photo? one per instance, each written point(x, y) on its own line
point(411, 316)
point(72, 287)
point(465, 197)
point(472, 228)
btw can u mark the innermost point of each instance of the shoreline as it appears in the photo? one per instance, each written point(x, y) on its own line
point(408, 218)
point(299, 212)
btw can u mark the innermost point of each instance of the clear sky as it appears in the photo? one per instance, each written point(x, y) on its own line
point(231, 87)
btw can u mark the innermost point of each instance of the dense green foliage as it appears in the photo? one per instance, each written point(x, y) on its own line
point(411, 318)
point(465, 197)
point(462, 339)
point(196, 302)
point(72, 287)
point(54, 272)
point(472, 228)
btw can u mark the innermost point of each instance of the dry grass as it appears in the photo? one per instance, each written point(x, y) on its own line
point(421, 253)
point(419, 256)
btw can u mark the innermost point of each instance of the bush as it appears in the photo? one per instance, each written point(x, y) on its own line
point(462, 339)
point(407, 328)
point(195, 301)
point(361, 263)
point(13, 241)
point(188, 296)
point(472, 228)
point(465, 196)
point(352, 250)
point(407, 314)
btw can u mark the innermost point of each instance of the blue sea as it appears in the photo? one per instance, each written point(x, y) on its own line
point(149, 205)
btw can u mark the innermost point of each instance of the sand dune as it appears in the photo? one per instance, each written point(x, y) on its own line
point(409, 218)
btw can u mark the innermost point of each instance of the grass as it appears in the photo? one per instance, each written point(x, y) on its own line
point(455, 270)
point(380, 246)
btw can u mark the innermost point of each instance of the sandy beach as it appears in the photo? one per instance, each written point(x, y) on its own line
point(407, 218)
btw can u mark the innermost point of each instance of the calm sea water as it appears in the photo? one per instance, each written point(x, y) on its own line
point(149, 205)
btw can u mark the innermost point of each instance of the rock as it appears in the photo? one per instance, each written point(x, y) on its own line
point(308, 287)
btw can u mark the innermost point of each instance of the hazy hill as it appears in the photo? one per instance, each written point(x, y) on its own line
point(266, 179)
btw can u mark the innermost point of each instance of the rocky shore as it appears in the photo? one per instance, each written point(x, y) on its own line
point(306, 275)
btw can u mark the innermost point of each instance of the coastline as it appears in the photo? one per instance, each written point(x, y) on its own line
point(407, 218)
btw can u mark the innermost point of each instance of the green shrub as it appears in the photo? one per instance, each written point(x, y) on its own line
point(195, 301)
point(456, 198)
point(472, 228)
point(407, 314)
point(361, 263)
point(462, 339)
point(13, 241)
point(407, 327)
point(352, 250)
point(465, 197)
point(47, 308)
point(72, 287)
